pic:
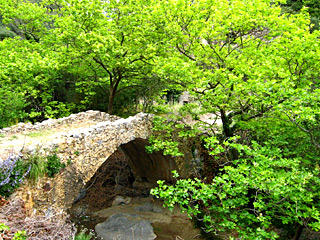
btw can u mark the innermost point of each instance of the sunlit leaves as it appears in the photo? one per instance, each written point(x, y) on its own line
point(256, 70)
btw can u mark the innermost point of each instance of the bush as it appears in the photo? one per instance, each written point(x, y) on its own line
point(54, 165)
point(12, 172)
point(83, 235)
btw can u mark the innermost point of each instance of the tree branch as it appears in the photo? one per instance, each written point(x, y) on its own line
point(184, 53)
point(309, 132)
point(105, 68)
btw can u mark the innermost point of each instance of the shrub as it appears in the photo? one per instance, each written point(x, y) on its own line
point(12, 172)
point(83, 235)
point(54, 165)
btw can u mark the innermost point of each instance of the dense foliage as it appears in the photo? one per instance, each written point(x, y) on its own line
point(253, 65)
point(256, 69)
point(53, 165)
point(66, 60)
point(313, 8)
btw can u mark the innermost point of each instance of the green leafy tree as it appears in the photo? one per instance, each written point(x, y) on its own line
point(108, 39)
point(313, 8)
point(256, 70)
point(26, 18)
point(12, 106)
point(29, 69)
point(118, 44)
point(238, 63)
point(110, 44)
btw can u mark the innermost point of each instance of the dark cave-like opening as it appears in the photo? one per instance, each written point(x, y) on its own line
point(130, 171)
point(113, 178)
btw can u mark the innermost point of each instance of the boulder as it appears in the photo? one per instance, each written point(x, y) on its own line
point(119, 200)
point(148, 207)
point(124, 226)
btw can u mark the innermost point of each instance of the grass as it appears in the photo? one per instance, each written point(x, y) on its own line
point(38, 167)
point(13, 138)
point(39, 133)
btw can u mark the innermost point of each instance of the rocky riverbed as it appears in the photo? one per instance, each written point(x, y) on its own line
point(115, 209)
point(136, 219)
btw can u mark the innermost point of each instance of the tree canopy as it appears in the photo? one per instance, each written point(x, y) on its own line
point(250, 64)
point(98, 48)
point(256, 69)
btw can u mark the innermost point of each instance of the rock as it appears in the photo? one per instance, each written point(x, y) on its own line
point(79, 211)
point(81, 195)
point(49, 212)
point(125, 227)
point(32, 150)
point(148, 207)
point(119, 200)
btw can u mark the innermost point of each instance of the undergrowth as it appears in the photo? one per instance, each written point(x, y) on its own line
point(16, 223)
point(12, 173)
point(16, 168)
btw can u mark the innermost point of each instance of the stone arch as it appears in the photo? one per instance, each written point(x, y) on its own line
point(90, 148)
point(85, 150)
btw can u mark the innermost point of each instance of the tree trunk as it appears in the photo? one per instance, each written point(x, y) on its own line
point(113, 90)
point(298, 232)
point(110, 103)
point(228, 132)
point(226, 124)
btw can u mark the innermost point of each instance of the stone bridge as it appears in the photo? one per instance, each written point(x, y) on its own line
point(83, 142)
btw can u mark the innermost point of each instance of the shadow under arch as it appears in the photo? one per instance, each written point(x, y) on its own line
point(129, 171)
point(148, 168)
